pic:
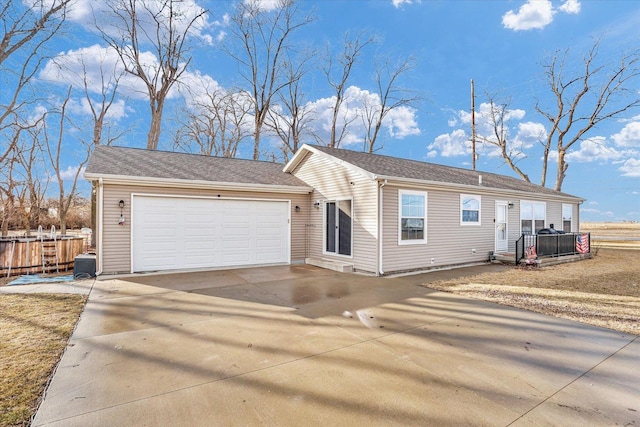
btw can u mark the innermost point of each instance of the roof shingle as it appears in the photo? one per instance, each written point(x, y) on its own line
point(387, 166)
point(165, 165)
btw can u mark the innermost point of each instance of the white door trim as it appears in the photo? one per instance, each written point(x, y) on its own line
point(501, 245)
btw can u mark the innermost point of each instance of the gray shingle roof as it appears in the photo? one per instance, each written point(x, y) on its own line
point(165, 165)
point(387, 166)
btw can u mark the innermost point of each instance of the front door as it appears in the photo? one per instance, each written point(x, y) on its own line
point(502, 243)
point(338, 227)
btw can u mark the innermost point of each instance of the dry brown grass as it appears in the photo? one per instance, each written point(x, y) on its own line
point(622, 229)
point(34, 332)
point(602, 291)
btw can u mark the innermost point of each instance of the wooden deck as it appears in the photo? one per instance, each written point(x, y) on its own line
point(510, 258)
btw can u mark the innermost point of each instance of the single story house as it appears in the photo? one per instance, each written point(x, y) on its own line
point(334, 207)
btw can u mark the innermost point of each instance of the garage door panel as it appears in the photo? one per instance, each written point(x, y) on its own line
point(178, 233)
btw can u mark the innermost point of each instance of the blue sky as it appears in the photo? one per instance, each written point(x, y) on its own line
point(499, 44)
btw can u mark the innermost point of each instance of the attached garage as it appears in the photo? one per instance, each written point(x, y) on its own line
point(167, 211)
point(175, 233)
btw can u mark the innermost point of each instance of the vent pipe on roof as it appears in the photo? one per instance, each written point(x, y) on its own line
point(479, 179)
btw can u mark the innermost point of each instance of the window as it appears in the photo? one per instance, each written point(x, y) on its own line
point(567, 214)
point(469, 210)
point(532, 216)
point(413, 217)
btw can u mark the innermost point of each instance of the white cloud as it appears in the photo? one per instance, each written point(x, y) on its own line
point(398, 124)
point(117, 110)
point(88, 13)
point(70, 173)
point(265, 5)
point(594, 149)
point(400, 3)
point(401, 122)
point(631, 168)
point(100, 66)
point(629, 136)
point(528, 134)
point(537, 14)
point(451, 144)
point(571, 6)
point(534, 14)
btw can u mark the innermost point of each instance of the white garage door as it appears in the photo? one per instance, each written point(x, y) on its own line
point(171, 233)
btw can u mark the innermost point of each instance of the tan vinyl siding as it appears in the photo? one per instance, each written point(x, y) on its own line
point(554, 215)
point(338, 182)
point(448, 242)
point(513, 230)
point(116, 247)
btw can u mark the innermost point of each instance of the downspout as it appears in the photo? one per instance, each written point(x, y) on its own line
point(100, 202)
point(380, 226)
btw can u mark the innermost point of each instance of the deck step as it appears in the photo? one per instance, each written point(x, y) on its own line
point(330, 264)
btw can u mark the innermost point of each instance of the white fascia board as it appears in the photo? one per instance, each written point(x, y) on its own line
point(297, 158)
point(418, 183)
point(186, 183)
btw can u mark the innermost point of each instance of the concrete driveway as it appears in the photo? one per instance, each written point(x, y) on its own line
point(298, 345)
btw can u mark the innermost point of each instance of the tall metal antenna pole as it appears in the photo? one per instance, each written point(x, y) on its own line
point(473, 127)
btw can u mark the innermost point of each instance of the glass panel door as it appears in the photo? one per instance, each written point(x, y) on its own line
point(338, 227)
point(344, 227)
point(330, 227)
point(502, 243)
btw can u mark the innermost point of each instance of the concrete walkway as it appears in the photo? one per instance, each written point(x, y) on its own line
point(298, 345)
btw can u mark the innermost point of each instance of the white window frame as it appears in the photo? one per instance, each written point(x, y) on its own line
point(533, 204)
point(424, 233)
point(464, 197)
point(570, 207)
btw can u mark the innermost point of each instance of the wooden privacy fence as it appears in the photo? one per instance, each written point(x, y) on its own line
point(25, 255)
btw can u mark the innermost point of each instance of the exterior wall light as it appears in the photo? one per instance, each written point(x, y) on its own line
point(297, 208)
point(121, 219)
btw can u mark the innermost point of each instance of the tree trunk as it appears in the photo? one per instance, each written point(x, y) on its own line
point(256, 143)
point(562, 170)
point(154, 131)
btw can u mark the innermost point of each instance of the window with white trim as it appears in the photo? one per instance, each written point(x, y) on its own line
point(567, 217)
point(533, 216)
point(412, 224)
point(470, 207)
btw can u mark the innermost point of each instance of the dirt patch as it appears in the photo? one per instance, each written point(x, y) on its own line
point(601, 291)
point(35, 330)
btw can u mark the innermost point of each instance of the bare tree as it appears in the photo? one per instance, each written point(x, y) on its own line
point(54, 147)
point(500, 138)
point(260, 41)
point(291, 120)
point(28, 22)
point(391, 97)
point(585, 99)
point(338, 71)
point(216, 124)
point(163, 27)
point(27, 26)
point(28, 185)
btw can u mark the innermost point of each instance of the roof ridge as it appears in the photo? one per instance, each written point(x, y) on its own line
point(189, 154)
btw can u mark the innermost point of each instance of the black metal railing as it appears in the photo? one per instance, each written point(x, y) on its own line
point(536, 246)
